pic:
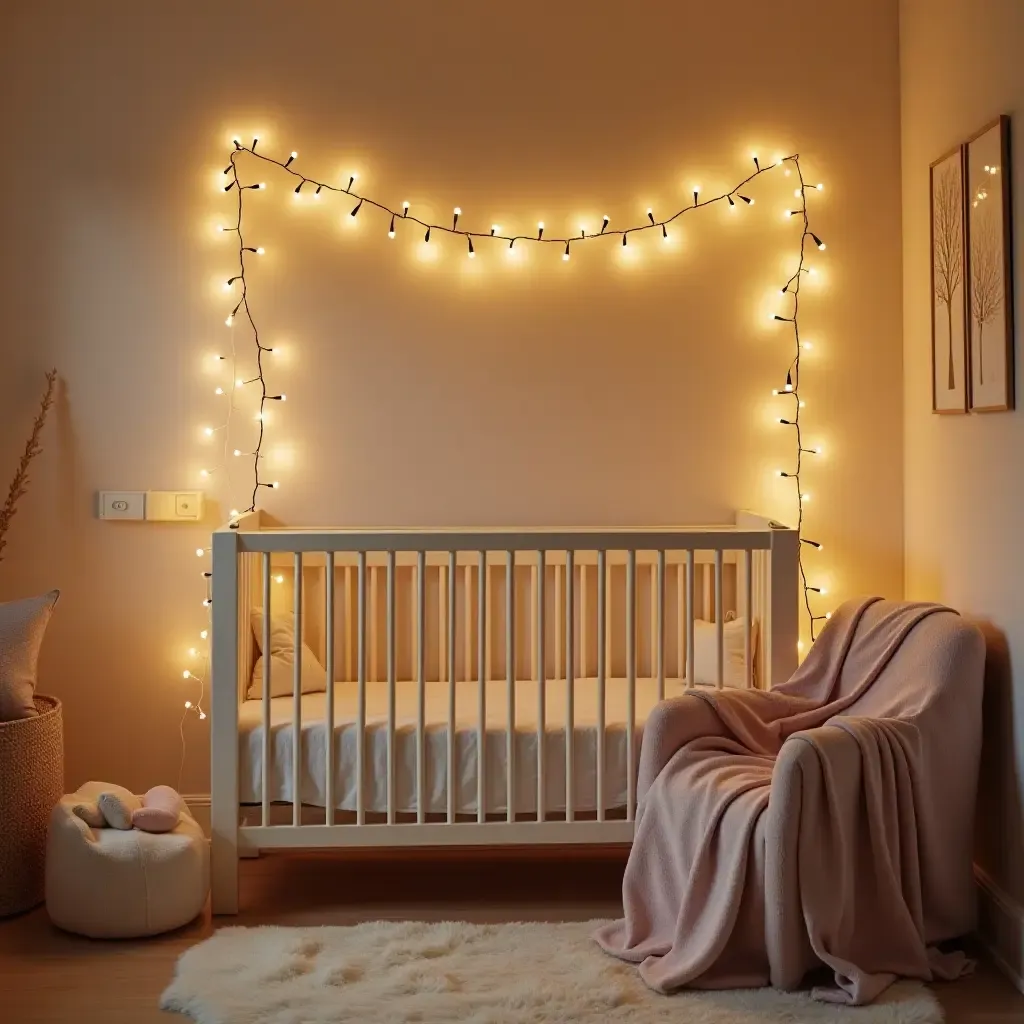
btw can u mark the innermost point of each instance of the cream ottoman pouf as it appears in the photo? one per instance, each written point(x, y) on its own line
point(109, 884)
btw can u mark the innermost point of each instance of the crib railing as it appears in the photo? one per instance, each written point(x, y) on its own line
point(471, 585)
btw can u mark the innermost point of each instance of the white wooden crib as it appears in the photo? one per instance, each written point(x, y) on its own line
point(483, 687)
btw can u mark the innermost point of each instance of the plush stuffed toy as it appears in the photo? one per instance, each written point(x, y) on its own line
point(159, 810)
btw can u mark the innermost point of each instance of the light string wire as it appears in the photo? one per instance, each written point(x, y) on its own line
point(791, 288)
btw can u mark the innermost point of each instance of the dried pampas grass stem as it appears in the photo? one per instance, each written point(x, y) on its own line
point(19, 485)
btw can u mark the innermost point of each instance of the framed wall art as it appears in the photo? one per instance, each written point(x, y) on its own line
point(989, 280)
point(950, 391)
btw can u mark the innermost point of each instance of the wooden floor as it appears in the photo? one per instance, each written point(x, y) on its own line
point(47, 976)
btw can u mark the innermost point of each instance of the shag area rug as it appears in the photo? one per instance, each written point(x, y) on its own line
point(483, 974)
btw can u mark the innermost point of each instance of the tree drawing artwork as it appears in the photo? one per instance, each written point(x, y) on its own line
point(986, 277)
point(948, 257)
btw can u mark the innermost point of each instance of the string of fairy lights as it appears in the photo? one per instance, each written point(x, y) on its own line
point(403, 218)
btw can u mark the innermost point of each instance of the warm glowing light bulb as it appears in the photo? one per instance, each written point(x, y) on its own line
point(275, 484)
point(800, 645)
point(186, 674)
point(200, 552)
point(260, 250)
point(805, 497)
point(202, 715)
point(218, 391)
point(796, 192)
point(236, 452)
point(234, 513)
point(405, 207)
point(230, 320)
point(193, 653)
point(204, 634)
point(294, 154)
point(828, 615)
point(208, 431)
point(806, 345)
point(819, 450)
point(495, 229)
point(820, 187)
point(188, 704)
point(204, 473)
point(458, 211)
point(279, 579)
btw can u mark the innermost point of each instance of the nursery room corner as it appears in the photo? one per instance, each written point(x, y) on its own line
point(489, 530)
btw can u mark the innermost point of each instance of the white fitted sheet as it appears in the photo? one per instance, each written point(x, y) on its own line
point(314, 732)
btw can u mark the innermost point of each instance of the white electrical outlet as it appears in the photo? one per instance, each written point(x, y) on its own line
point(174, 506)
point(122, 505)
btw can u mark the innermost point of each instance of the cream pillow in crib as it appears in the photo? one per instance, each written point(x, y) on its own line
point(705, 653)
point(282, 660)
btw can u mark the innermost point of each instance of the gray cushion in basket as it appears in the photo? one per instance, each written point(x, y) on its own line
point(22, 625)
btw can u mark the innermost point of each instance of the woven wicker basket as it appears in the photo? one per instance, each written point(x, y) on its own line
point(31, 783)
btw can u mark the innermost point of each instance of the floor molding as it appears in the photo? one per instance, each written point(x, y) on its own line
point(199, 808)
point(1001, 927)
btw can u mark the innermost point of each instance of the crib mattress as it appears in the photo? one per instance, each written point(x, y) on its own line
point(496, 752)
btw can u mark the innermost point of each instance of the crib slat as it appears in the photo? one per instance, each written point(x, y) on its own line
point(570, 689)
point(602, 668)
point(660, 629)
point(421, 676)
point(609, 634)
point(392, 685)
point(690, 660)
point(541, 670)
point(680, 621)
point(374, 633)
point(584, 661)
point(451, 686)
point(557, 571)
point(719, 623)
point(361, 702)
point(329, 672)
point(652, 627)
point(705, 577)
point(534, 668)
point(467, 621)
point(350, 621)
point(510, 682)
point(630, 683)
point(748, 650)
point(265, 651)
point(297, 698)
point(442, 627)
point(481, 729)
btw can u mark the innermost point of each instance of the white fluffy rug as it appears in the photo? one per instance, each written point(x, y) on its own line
point(483, 974)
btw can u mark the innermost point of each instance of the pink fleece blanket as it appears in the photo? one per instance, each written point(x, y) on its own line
point(825, 822)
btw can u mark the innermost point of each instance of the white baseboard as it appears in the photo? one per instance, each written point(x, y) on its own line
point(199, 808)
point(1001, 927)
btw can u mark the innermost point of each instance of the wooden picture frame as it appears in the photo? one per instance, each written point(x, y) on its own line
point(948, 257)
point(989, 274)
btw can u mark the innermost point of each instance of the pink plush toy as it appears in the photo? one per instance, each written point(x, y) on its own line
point(160, 811)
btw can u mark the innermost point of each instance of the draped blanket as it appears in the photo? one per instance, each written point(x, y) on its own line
point(827, 822)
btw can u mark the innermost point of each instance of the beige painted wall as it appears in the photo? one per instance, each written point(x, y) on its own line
point(961, 66)
point(600, 391)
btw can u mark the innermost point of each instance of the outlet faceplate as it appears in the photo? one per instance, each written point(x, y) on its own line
point(122, 505)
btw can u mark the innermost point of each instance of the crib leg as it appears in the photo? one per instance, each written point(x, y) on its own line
point(224, 865)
